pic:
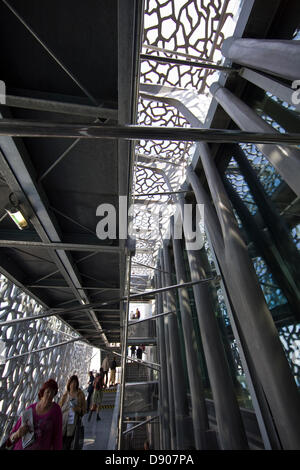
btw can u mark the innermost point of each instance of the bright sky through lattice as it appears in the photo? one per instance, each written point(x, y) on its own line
point(190, 27)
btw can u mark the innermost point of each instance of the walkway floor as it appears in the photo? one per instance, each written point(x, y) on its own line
point(96, 433)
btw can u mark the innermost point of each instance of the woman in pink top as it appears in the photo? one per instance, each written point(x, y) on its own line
point(47, 422)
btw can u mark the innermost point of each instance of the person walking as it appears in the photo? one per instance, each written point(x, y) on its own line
point(113, 367)
point(97, 395)
point(132, 349)
point(139, 353)
point(73, 408)
point(105, 367)
point(90, 390)
point(137, 314)
point(47, 422)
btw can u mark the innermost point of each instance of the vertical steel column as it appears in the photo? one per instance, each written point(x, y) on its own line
point(163, 377)
point(282, 91)
point(258, 400)
point(278, 264)
point(180, 397)
point(274, 56)
point(158, 361)
point(255, 320)
point(124, 357)
point(289, 254)
point(230, 426)
point(285, 159)
point(199, 411)
point(214, 237)
point(168, 358)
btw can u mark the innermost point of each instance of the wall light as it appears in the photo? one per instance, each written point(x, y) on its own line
point(14, 211)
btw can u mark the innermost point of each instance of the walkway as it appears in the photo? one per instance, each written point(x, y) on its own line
point(97, 433)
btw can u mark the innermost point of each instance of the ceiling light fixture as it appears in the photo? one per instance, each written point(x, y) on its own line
point(14, 211)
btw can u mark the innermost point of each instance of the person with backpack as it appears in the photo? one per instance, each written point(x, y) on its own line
point(97, 395)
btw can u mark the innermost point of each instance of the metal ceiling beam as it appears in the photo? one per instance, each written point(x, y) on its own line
point(51, 53)
point(151, 318)
point(107, 310)
point(166, 193)
point(20, 180)
point(136, 296)
point(60, 107)
point(52, 286)
point(57, 271)
point(26, 128)
point(59, 246)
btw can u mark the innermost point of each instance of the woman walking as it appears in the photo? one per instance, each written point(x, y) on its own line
point(47, 423)
point(73, 408)
point(97, 395)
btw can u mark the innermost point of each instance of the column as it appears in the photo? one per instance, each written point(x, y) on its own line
point(168, 360)
point(277, 57)
point(230, 426)
point(255, 320)
point(277, 262)
point(164, 398)
point(199, 411)
point(282, 91)
point(180, 397)
point(285, 159)
point(290, 257)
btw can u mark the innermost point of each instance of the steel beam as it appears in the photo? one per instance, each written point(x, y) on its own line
point(23, 185)
point(140, 424)
point(45, 349)
point(132, 297)
point(48, 50)
point(178, 364)
point(26, 128)
point(286, 160)
point(166, 193)
point(163, 378)
point(254, 318)
point(173, 61)
point(151, 318)
point(230, 426)
point(169, 373)
point(283, 92)
point(60, 107)
point(274, 56)
point(199, 411)
point(60, 246)
point(124, 354)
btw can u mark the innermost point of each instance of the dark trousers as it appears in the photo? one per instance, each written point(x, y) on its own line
point(105, 376)
point(88, 400)
point(67, 441)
